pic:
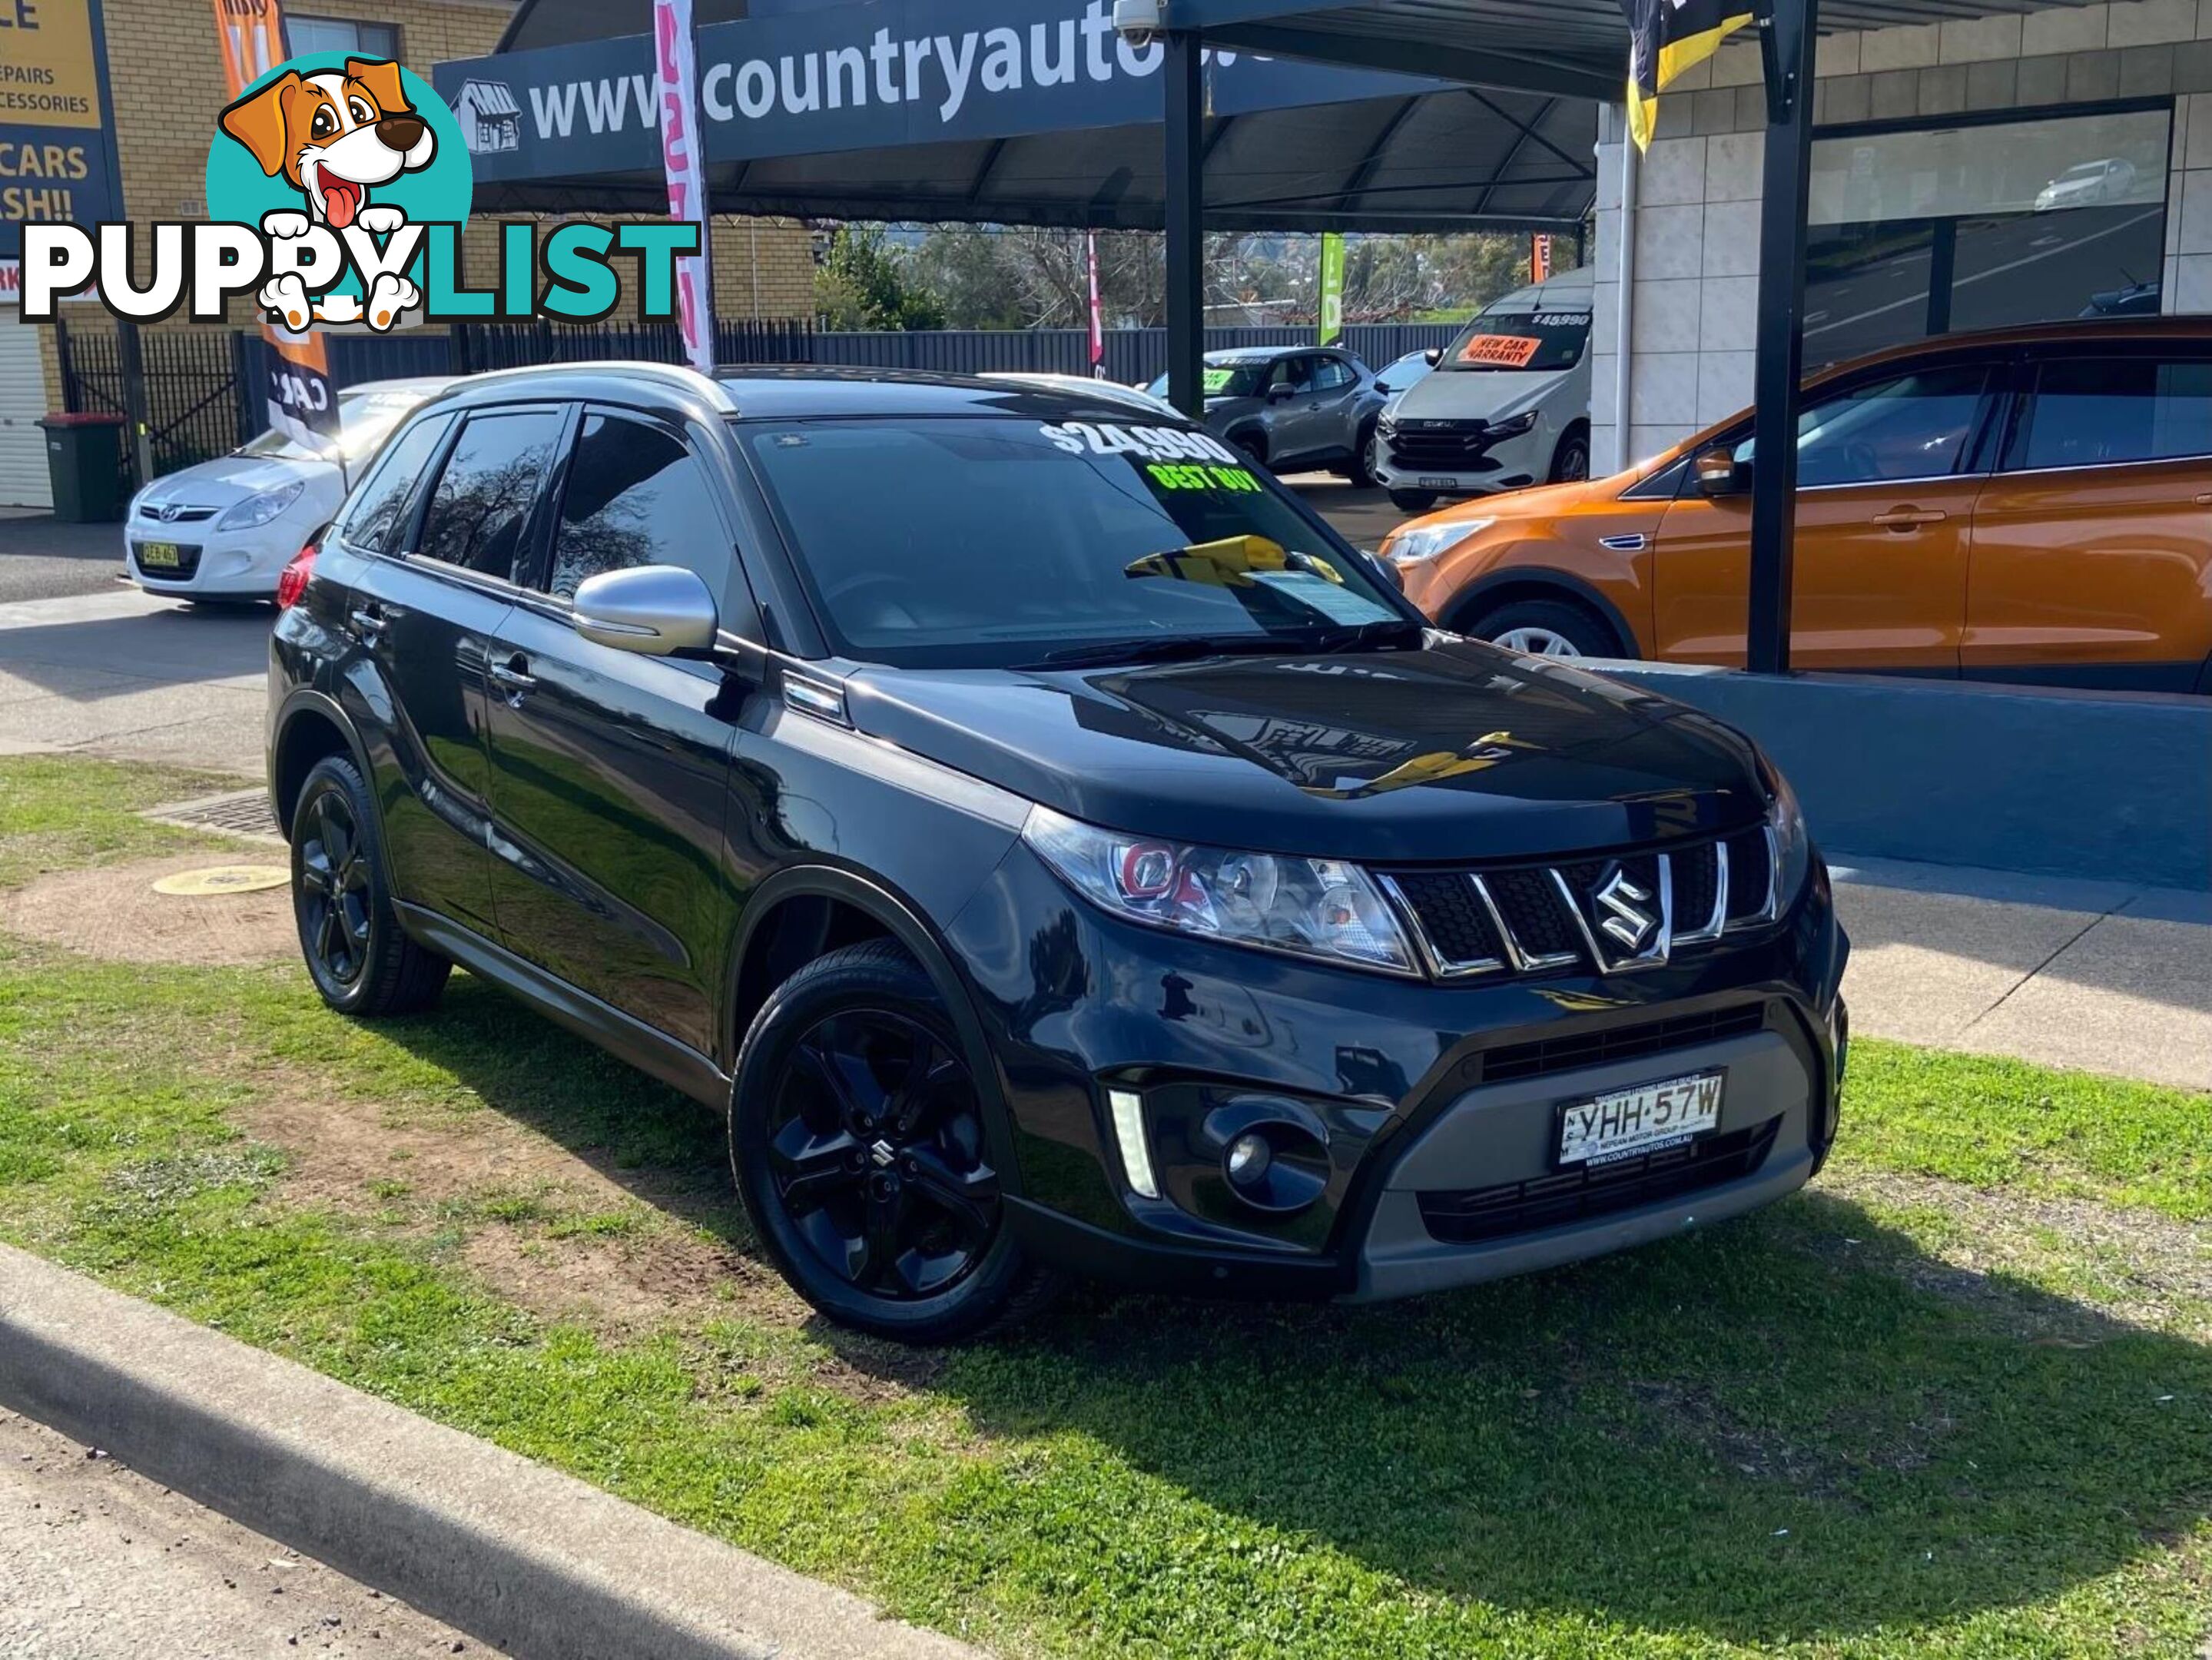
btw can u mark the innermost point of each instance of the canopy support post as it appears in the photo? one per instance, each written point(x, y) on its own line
point(1182, 85)
point(1787, 47)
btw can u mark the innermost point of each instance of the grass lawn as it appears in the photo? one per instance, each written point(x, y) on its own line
point(1955, 1400)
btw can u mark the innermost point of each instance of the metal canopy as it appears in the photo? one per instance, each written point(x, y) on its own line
point(1452, 159)
point(1577, 46)
point(1444, 162)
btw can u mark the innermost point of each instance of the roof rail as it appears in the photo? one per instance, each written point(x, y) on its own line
point(674, 376)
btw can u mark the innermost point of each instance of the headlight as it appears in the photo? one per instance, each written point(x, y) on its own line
point(260, 509)
point(1793, 845)
point(1414, 544)
point(1320, 908)
point(1512, 427)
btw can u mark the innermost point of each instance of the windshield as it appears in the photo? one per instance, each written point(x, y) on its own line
point(1240, 378)
point(981, 542)
point(364, 419)
point(1520, 340)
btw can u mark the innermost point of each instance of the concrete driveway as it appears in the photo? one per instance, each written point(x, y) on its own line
point(119, 673)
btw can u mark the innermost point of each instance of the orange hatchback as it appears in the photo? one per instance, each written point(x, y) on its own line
point(2030, 504)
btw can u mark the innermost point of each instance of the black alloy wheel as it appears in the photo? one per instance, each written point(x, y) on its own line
point(876, 1146)
point(360, 958)
point(858, 1141)
point(332, 890)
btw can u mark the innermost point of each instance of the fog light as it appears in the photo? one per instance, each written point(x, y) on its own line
point(1249, 1155)
point(1127, 1108)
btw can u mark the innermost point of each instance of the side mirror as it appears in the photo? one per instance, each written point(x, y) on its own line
point(1433, 356)
point(1280, 391)
point(655, 610)
point(1717, 472)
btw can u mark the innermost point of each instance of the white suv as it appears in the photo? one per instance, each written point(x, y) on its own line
point(1508, 405)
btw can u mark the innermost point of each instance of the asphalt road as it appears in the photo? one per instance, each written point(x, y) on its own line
point(98, 1563)
point(41, 559)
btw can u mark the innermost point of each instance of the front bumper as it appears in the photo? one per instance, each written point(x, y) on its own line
point(1434, 1102)
point(231, 565)
point(1507, 464)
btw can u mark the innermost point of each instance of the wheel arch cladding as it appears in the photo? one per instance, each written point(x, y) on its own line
point(309, 730)
point(1525, 582)
point(802, 912)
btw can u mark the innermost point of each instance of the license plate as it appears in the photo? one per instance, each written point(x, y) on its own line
point(159, 555)
point(1432, 482)
point(1629, 1123)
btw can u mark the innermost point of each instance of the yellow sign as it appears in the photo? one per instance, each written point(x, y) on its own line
point(216, 880)
point(49, 73)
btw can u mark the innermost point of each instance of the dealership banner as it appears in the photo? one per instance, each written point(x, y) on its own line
point(1331, 309)
point(297, 396)
point(56, 134)
point(676, 74)
point(849, 77)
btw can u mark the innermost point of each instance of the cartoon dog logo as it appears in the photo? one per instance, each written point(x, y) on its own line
point(334, 138)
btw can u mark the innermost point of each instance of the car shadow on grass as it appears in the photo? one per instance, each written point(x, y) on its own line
point(1797, 1427)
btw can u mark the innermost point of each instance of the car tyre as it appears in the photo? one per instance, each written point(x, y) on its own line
point(857, 1140)
point(1362, 472)
point(362, 961)
point(1546, 627)
point(1413, 501)
point(1253, 445)
point(1571, 461)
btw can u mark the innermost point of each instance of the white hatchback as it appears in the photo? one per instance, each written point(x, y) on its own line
point(226, 528)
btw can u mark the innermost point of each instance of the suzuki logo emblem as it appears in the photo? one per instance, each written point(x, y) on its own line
point(883, 1153)
point(1622, 900)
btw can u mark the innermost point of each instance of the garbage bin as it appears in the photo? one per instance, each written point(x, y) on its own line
point(84, 458)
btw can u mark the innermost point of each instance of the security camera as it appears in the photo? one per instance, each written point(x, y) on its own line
point(1140, 21)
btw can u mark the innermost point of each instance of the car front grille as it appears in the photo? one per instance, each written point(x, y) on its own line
point(158, 513)
point(1543, 1056)
point(1634, 910)
point(1441, 446)
point(1466, 1215)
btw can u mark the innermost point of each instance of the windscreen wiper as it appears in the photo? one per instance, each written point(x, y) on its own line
point(1160, 648)
point(1360, 636)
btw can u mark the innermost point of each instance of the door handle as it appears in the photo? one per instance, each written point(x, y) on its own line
point(513, 674)
point(1908, 517)
point(367, 623)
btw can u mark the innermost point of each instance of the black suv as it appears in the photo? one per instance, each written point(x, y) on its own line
point(1046, 841)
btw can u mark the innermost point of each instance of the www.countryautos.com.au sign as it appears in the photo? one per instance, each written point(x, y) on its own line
point(853, 77)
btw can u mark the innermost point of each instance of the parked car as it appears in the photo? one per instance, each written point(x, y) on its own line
point(2026, 505)
point(1090, 864)
point(1400, 373)
point(225, 529)
point(1508, 406)
point(1292, 409)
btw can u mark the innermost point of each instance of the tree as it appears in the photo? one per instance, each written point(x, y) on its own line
point(863, 283)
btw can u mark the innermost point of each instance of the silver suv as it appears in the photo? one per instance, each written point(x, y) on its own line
point(1293, 409)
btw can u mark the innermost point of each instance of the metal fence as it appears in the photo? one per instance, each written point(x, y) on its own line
point(202, 386)
point(196, 404)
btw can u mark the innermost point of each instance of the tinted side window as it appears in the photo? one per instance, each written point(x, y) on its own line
point(636, 496)
point(1334, 372)
point(2091, 412)
point(1911, 426)
point(378, 510)
point(483, 500)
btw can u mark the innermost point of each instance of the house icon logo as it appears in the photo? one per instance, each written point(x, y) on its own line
point(491, 121)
